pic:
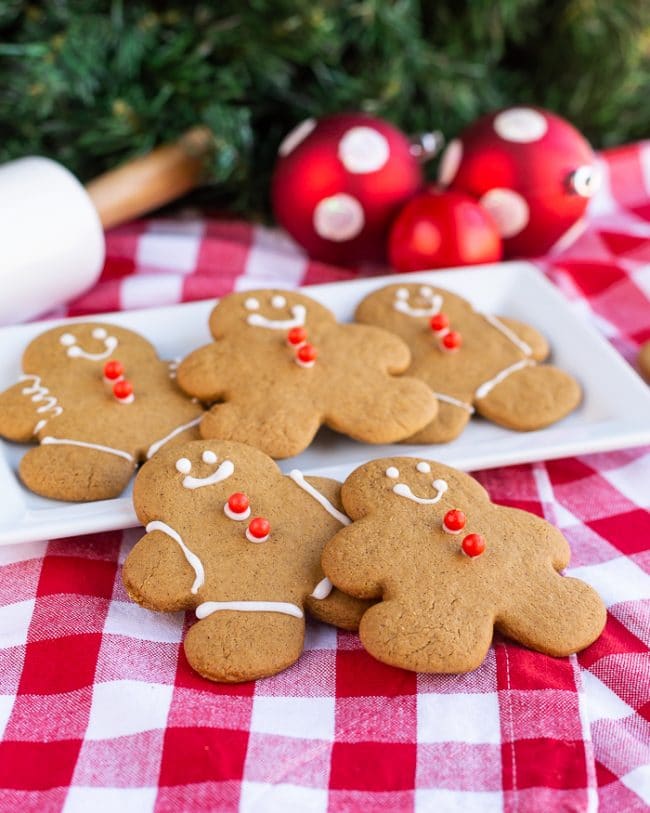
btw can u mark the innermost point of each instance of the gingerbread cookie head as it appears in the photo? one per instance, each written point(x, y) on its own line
point(281, 366)
point(232, 538)
point(253, 313)
point(98, 400)
point(449, 566)
point(473, 362)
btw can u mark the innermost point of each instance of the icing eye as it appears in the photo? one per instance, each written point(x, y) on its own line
point(252, 304)
point(183, 466)
point(440, 485)
point(278, 301)
point(426, 291)
point(392, 472)
point(402, 293)
point(209, 457)
point(423, 467)
point(67, 339)
point(99, 333)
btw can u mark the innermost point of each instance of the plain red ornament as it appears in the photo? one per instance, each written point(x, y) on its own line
point(338, 183)
point(439, 229)
point(531, 170)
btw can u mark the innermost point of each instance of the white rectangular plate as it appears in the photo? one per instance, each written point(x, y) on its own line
point(614, 414)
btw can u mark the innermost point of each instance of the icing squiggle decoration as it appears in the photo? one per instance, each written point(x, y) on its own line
point(488, 386)
point(223, 472)
point(160, 443)
point(298, 312)
point(46, 441)
point(192, 559)
point(448, 399)
point(525, 348)
point(298, 478)
point(402, 297)
point(69, 340)
point(209, 607)
point(40, 393)
point(322, 589)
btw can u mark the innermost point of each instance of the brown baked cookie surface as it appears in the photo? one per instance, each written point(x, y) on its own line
point(472, 362)
point(644, 361)
point(92, 429)
point(232, 538)
point(449, 566)
point(275, 395)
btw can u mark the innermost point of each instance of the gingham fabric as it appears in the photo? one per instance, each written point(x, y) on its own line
point(99, 710)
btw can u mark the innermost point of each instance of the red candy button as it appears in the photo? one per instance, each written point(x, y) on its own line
point(297, 336)
point(307, 354)
point(439, 322)
point(473, 544)
point(454, 521)
point(258, 529)
point(238, 502)
point(113, 369)
point(452, 341)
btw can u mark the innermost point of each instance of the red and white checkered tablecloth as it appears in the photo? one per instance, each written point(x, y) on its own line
point(99, 710)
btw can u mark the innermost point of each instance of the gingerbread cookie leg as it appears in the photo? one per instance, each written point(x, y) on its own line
point(565, 617)
point(234, 645)
point(251, 422)
point(382, 416)
point(397, 635)
point(525, 396)
point(76, 471)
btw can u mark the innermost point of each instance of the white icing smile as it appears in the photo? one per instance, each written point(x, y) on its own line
point(298, 314)
point(402, 305)
point(222, 472)
point(403, 490)
point(74, 351)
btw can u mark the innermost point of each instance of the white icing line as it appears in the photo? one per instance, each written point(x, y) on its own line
point(400, 304)
point(402, 490)
point(39, 426)
point(192, 559)
point(455, 402)
point(110, 343)
point(488, 386)
point(225, 470)
point(157, 444)
point(299, 312)
point(67, 442)
point(525, 348)
point(322, 589)
point(298, 478)
point(227, 510)
point(209, 607)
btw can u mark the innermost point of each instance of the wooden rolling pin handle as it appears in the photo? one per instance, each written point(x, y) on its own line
point(152, 180)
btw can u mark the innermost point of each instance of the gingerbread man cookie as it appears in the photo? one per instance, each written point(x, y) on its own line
point(281, 366)
point(473, 362)
point(644, 361)
point(98, 401)
point(232, 538)
point(450, 566)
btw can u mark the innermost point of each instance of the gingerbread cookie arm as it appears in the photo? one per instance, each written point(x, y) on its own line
point(526, 396)
point(157, 574)
point(24, 407)
point(531, 338)
point(453, 416)
point(559, 616)
point(205, 373)
point(350, 560)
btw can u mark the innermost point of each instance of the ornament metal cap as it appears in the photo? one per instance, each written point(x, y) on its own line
point(585, 181)
point(425, 146)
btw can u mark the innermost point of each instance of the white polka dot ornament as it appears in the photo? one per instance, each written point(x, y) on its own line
point(531, 170)
point(338, 183)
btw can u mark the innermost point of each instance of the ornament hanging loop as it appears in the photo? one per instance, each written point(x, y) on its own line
point(425, 146)
point(584, 181)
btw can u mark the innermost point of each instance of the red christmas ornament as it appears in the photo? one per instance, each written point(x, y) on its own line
point(440, 229)
point(531, 170)
point(113, 370)
point(297, 336)
point(473, 545)
point(338, 183)
point(123, 391)
point(306, 355)
point(454, 521)
point(238, 506)
point(258, 530)
point(452, 340)
point(439, 322)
